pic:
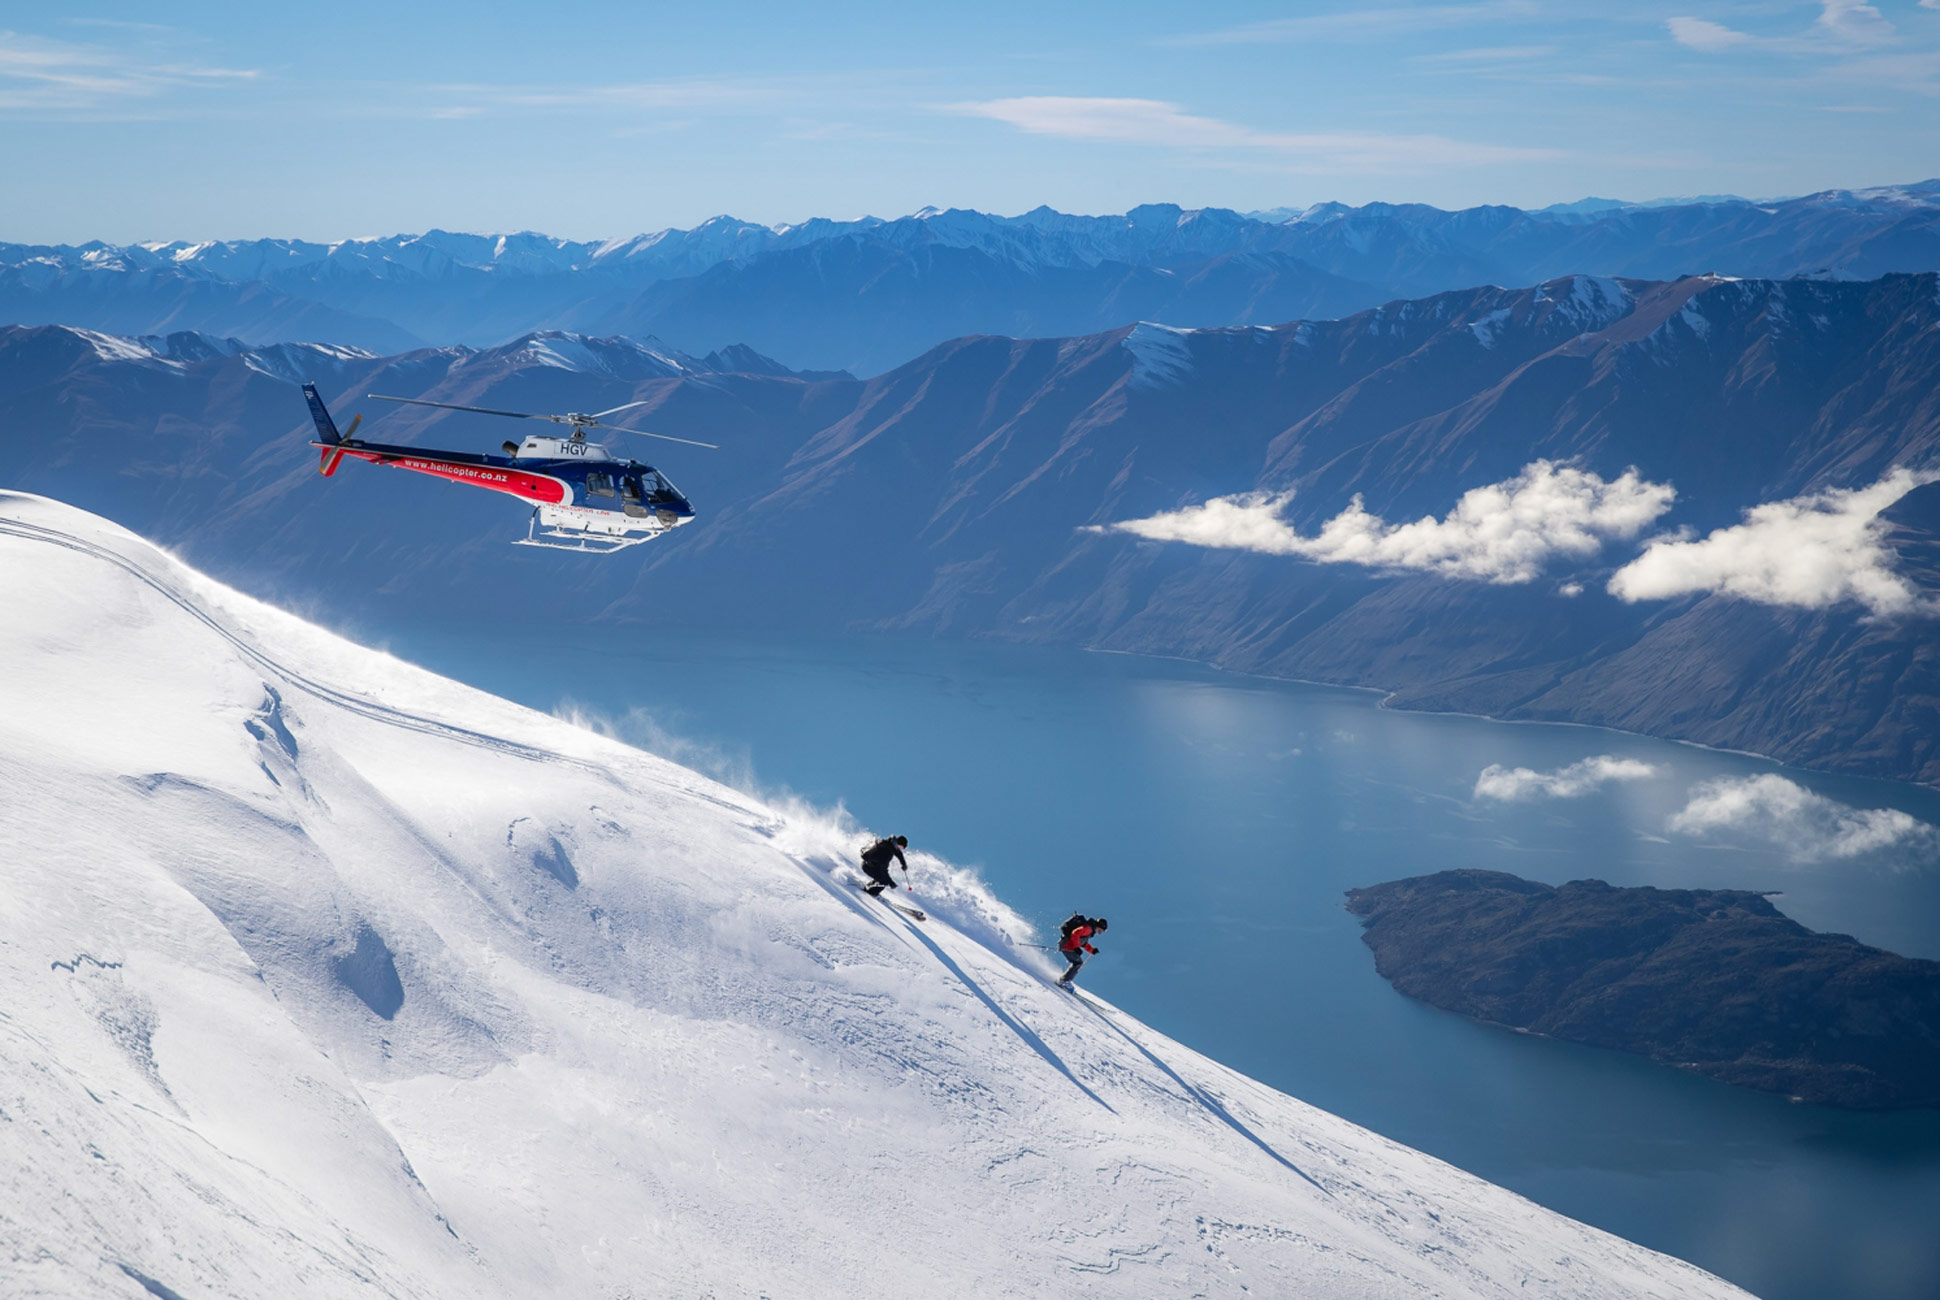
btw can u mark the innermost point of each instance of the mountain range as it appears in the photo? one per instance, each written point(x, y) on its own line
point(871, 294)
point(1700, 509)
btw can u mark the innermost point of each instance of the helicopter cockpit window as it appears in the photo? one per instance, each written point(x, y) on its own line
point(630, 488)
point(599, 485)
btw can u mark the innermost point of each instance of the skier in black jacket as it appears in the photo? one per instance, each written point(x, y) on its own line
point(875, 863)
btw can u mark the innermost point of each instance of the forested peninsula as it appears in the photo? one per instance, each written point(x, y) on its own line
point(1715, 981)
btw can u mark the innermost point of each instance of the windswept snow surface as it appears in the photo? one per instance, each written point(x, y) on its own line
point(329, 977)
point(1161, 355)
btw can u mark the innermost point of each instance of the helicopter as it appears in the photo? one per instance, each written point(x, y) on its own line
point(583, 498)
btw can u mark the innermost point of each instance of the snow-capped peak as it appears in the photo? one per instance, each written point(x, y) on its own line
point(1161, 354)
point(1588, 302)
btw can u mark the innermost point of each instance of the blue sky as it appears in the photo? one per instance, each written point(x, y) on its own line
point(594, 119)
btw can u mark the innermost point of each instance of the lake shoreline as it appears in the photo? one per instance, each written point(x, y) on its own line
point(1389, 694)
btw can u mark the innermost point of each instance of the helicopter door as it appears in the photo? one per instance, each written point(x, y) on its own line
point(599, 485)
point(630, 494)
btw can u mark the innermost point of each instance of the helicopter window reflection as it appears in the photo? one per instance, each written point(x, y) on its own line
point(599, 485)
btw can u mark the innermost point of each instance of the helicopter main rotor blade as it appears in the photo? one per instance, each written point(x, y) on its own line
point(600, 415)
point(453, 406)
point(648, 433)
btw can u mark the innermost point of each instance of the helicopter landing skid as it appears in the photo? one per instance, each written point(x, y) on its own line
point(557, 532)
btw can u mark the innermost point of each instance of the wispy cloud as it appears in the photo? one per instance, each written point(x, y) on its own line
point(1488, 54)
point(1703, 34)
point(1841, 27)
point(1520, 784)
point(1504, 533)
point(1915, 71)
point(683, 94)
point(1810, 827)
point(1156, 122)
point(1855, 22)
point(1353, 24)
point(36, 73)
point(124, 25)
point(1809, 552)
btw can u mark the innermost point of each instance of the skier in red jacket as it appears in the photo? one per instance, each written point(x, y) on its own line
point(1077, 942)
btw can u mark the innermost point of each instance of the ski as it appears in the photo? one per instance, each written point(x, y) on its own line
point(915, 913)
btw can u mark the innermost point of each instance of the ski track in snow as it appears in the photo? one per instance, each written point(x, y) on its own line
point(343, 699)
point(329, 977)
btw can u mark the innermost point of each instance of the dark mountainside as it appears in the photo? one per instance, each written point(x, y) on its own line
point(949, 496)
point(958, 483)
point(869, 295)
point(1715, 981)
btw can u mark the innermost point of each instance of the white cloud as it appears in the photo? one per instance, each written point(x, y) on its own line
point(1808, 552)
point(693, 93)
point(1139, 121)
point(1841, 25)
point(1156, 122)
point(44, 74)
point(1503, 533)
point(1703, 34)
point(1360, 24)
point(1516, 784)
point(1488, 54)
point(1854, 22)
point(1810, 826)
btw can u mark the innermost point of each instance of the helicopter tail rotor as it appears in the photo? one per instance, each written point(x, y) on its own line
point(334, 455)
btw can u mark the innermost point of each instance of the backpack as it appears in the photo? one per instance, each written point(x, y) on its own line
point(1064, 931)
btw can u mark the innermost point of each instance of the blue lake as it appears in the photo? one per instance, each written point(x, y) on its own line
point(1216, 821)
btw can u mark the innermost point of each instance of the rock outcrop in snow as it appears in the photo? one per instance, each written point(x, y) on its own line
point(329, 977)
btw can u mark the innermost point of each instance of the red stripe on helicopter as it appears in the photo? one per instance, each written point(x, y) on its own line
point(531, 487)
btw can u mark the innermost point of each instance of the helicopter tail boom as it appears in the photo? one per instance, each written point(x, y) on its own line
point(331, 442)
point(326, 427)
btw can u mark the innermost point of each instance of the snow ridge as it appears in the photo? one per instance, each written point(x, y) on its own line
point(1161, 354)
point(330, 977)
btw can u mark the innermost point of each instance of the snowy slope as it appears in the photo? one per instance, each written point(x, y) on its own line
point(329, 977)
